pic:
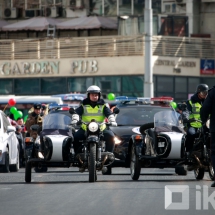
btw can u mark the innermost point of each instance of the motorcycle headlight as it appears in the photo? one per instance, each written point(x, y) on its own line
point(117, 140)
point(93, 126)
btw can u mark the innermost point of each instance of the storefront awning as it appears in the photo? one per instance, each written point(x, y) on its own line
point(92, 22)
point(34, 24)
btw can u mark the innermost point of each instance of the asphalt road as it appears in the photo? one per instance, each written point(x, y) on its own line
point(66, 191)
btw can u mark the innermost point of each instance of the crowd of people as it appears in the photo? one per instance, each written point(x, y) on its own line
point(35, 115)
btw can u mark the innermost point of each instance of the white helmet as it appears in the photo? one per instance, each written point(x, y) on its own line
point(93, 89)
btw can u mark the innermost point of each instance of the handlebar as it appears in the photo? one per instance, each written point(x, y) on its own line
point(86, 123)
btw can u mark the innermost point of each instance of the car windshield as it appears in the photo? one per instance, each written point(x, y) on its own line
point(168, 120)
point(137, 115)
point(56, 121)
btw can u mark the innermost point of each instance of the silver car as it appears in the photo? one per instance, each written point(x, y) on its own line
point(9, 146)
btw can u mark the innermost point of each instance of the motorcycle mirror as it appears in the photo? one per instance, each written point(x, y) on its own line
point(71, 110)
point(116, 110)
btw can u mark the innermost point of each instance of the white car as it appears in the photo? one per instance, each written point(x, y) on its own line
point(9, 145)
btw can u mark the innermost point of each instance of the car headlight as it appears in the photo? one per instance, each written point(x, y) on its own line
point(93, 126)
point(117, 140)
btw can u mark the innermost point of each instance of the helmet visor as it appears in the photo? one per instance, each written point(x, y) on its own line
point(204, 93)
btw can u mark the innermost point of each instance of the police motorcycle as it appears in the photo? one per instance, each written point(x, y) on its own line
point(200, 153)
point(161, 144)
point(93, 156)
point(56, 137)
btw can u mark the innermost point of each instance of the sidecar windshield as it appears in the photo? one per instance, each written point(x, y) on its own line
point(168, 120)
point(56, 121)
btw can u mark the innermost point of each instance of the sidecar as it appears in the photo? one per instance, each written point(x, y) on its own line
point(160, 144)
point(53, 146)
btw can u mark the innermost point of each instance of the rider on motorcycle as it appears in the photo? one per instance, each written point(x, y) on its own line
point(93, 107)
point(193, 111)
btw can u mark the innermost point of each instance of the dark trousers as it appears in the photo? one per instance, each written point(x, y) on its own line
point(80, 135)
point(192, 133)
point(213, 149)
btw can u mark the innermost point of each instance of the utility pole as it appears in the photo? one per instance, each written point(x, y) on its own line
point(148, 78)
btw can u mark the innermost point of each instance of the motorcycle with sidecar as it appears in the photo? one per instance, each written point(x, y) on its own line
point(161, 144)
point(51, 147)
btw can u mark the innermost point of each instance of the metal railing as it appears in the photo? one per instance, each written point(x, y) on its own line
point(105, 46)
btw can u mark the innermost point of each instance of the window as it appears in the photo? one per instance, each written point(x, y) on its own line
point(174, 26)
point(26, 86)
point(165, 84)
point(209, 81)
point(6, 86)
point(132, 85)
point(79, 84)
point(180, 84)
point(155, 25)
point(110, 7)
point(108, 84)
point(192, 85)
point(53, 86)
point(125, 7)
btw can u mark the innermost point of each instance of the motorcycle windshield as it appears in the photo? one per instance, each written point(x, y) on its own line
point(168, 121)
point(56, 121)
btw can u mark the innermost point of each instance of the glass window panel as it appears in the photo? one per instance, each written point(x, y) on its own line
point(192, 85)
point(53, 85)
point(110, 7)
point(139, 6)
point(27, 86)
point(96, 7)
point(209, 81)
point(132, 85)
point(6, 86)
point(124, 7)
point(165, 84)
point(108, 84)
point(79, 85)
point(128, 26)
point(156, 6)
point(180, 85)
point(155, 25)
point(179, 28)
point(179, 97)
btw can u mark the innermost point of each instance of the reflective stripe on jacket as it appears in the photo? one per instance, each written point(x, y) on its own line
point(195, 114)
point(93, 113)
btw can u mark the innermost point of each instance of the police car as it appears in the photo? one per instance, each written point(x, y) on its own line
point(134, 112)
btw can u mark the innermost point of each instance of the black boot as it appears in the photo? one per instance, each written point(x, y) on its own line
point(213, 184)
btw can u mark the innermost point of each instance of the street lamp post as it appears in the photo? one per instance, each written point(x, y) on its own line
point(148, 78)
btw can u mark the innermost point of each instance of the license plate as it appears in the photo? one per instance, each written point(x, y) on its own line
point(161, 144)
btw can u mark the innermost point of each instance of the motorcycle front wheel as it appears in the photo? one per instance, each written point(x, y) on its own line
point(92, 163)
point(211, 172)
point(28, 172)
point(199, 173)
point(135, 166)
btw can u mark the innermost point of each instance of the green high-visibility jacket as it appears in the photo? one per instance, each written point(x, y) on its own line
point(195, 114)
point(93, 113)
